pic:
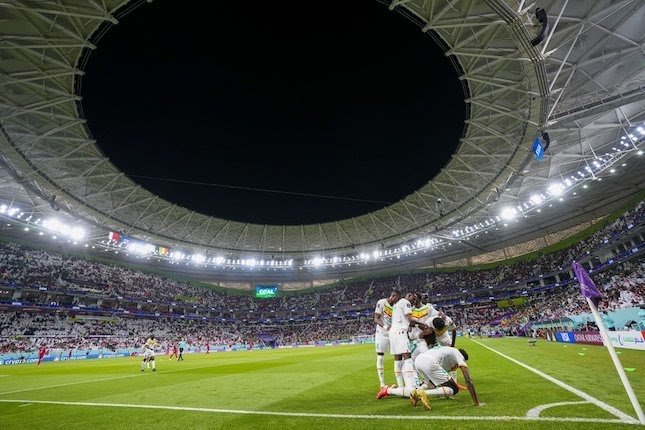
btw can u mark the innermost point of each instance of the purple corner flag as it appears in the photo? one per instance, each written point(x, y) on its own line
point(587, 287)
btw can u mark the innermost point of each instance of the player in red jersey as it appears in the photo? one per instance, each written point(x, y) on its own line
point(42, 352)
point(175, 351)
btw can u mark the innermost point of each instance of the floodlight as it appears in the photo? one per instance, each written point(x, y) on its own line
point(77, 233)
point(509, 213)
point(556, 189)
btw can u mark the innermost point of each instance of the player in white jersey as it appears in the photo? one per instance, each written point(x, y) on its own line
point(149, 354)
point(424, 313)
point(383, 320)
point(434, 366)
point(447, 335)
point(399, 343)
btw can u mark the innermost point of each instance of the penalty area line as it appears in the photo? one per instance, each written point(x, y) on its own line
point(426, 417)
point(602, 405)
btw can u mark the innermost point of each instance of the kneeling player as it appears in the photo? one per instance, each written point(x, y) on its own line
point(434, 367)
point(149, 354)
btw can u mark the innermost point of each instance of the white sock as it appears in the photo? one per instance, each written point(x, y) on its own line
point(440, 392)
point(143, 365)
point(399, 391)
point(453, 375)
point(154, 364)
point(147, 364)
point(398, 367)
point(417, 378)
point(379, 369)
point(408, 373)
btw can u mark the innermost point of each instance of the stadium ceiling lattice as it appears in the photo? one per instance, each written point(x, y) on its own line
point(583, 84)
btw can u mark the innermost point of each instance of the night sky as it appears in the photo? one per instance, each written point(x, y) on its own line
point(344, 99)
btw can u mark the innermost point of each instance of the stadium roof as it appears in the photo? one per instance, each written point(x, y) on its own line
point(583, 84)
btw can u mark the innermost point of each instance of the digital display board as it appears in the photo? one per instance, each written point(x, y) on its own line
point(266, 291)
point(537, 149)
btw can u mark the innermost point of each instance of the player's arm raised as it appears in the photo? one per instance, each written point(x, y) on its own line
point(470, 385)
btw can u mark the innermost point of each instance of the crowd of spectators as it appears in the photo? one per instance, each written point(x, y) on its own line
point(31, 269)
point(27, 331)
point(60, 273)
point(622, 286)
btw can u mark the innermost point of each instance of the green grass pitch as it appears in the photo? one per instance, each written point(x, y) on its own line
point(328, 387)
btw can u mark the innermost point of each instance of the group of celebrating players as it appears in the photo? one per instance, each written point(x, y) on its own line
point(422, 341)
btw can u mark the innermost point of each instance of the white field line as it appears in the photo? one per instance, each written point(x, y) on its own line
point(612, 410)
point(535, 412)
point(134, 375)
point(68, 384)
point(426, 417)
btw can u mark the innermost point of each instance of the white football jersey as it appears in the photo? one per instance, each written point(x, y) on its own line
point(447, 357)
point(384, 308)
point(424, 313)
point(401, 309)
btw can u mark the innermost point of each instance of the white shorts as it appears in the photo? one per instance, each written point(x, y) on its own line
point(430, 370)
point(399, 342)
point(382, 342)
point(445, 340)
point(418, 347)
point(148, 353)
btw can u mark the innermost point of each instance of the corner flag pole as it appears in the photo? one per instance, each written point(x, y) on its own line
point(591, 293)
point(617, 363)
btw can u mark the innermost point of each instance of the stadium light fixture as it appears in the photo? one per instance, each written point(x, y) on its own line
point(508, 213)
point(536, 199)
point(77, 233)
point(556, 189)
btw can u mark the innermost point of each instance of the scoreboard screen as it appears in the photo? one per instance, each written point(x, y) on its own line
point(537, 149)
point(266, 291)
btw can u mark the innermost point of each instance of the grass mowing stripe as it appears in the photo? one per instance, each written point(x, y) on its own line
point(319, 415)
point(185, 369)
point(612, 410)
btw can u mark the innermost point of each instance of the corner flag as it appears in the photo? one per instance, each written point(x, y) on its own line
point(587, 287)
point(592, 295)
